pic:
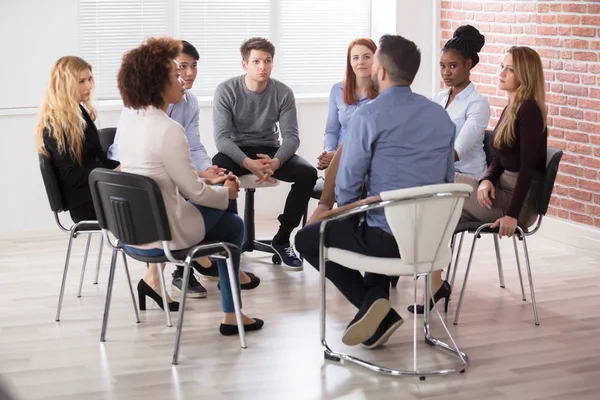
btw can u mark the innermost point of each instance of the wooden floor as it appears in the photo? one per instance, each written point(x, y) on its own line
point(510, 357)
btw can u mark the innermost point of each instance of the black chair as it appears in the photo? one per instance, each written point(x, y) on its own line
point(57, 206)
point(107, 137)
point(132, 209)
point(553, 157)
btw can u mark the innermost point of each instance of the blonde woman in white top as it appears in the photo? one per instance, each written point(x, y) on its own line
point(154, 145)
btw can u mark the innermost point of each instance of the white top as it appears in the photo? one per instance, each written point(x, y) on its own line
point(470, 112)
point(153, 145)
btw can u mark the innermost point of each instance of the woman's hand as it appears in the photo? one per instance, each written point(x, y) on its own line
point(216, 181)
point(233, 184)
point(324, 159)
point(507, 226)
point(485, 193)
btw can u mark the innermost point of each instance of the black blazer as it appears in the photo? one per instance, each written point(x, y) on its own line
point(72, 177)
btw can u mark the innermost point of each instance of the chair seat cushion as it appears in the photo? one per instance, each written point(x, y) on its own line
point(249, 182)
point(472, 226)
point(386, 266)
point(182, 254)
point(88, 226)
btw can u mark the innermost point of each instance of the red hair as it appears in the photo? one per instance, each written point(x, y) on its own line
point(350, 78)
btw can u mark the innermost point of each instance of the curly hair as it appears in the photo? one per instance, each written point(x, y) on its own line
point(144, 72)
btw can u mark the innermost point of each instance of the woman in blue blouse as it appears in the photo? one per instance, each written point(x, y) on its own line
point(470, 112)
point(345, 98)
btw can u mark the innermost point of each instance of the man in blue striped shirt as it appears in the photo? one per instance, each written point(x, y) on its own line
point(399, 140)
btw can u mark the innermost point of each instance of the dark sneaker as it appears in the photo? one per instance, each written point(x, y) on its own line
point(288, 256)
point(207, 274)
point(195, 289)
point(367, 320)
point(390, 323)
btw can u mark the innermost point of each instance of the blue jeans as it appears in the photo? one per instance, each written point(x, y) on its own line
point(220, 225)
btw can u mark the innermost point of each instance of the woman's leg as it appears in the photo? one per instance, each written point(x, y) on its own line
point(328, 196)
point(153, 280)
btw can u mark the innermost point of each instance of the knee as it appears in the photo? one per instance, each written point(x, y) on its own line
point(305, 239)
point(307, 174)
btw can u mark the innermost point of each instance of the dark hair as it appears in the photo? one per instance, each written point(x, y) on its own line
point(144, 72)
point(256, 43)
point(190, 50)
point(466, 41)
point(400, 57)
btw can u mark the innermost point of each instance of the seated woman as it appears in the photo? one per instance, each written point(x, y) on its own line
point(508, 192)
point(345, 98)
point(470, 112)
point(154, 145)
point(67, 135)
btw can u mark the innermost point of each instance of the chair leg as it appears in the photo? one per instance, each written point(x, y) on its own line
point(85, 256)
point(111, 280)
point(462, 236)
point(184, 289)
point(163, 292)
point(519, 268)
point(499, 261)
point(99, 259)
point(415, 319)
point(464, 287)
point(527, 264)
point(135, 308)
point(249, 229)
point(64, 278)
point(452, 247)
point(233, 282)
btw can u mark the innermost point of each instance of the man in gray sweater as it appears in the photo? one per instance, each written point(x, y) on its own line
point(246, 110)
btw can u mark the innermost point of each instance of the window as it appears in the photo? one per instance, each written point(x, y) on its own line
point(310, 36)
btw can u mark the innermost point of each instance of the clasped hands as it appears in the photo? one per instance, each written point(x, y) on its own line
point(264, 167)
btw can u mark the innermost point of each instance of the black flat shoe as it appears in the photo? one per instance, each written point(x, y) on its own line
point(229, 330)
point(144, 290)
point(254, 282)
point(443, 293)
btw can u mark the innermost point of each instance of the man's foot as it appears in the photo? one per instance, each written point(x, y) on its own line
point(207, 273)
point(195, 289)
point(367, 320)
point(390, 323)
point(288, 256)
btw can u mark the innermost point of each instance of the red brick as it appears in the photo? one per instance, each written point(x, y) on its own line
point(473, 6)
point(581, 195)
point(575, 90)
point(555, 201)
point(571, 169)
point(590, 20)
point(547, 30)
point(505, 39)
point(589, 104)
point(595, 139)
point(564, 31)
point(522, 19)
point(485, 17)
point(506, 18)
point(525, 7)
point(580, 218)
point(569, 159)
point(569, 135)
point(548, 53)
point(595, 68)
point(576, 44)
point(593, 9)
point(591, 116)
point(588, 127)
point(446, 4)
point(495, 7)
point(588, 79)
point(575, 66)
point(556, 65)
point(565, 77)
point(584, 31)
point(508, 7)
point(566, 55)
point(549, 76)
point(559, 144)
point(562, 214)
point(572, 181)
point(555, 7)
point(572, 101)
point(561, 190)
point(589, 162)
point(543, 8)
point(568, 19)
point(595, 45)
point(573, 205)
point(590, 173)
point(574, 8)
point(551, 211)
point(549, 41)
point(528, 29)
point(456, 15)
point(585, 56)
point(500, 28)
point(457, 5)
point(556, 87)
point(447, 35)
point(527, 40)
point(592, 209)
point(571, 112)
point(594, 186)
point(556, 99)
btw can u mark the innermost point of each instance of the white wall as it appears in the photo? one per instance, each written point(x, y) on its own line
point(35, 33)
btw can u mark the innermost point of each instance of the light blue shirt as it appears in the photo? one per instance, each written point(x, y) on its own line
point(339, 115)
point(399, 140)
point(187, 113)
point(470, 112)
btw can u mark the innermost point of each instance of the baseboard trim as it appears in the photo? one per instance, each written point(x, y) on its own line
point(577, 235)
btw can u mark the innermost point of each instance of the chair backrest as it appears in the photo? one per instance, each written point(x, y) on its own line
point(51, 183)
point(488, 147)
point(553, 156)
point(130, 206)
point(107, 137)
point(424, 219)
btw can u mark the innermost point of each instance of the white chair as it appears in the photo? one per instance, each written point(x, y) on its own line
point(422, 220)
point(249, 184)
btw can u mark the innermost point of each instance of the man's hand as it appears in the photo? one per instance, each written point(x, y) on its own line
point(324, 159)
point(211, 172)
point(261, 168)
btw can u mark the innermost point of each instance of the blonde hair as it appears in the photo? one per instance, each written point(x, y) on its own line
point(60, 114)
point(529, 75)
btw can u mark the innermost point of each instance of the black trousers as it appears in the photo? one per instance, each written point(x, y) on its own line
point(350, 234)
point(296, 170)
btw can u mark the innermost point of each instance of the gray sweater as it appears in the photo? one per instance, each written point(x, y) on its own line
point(245, 118)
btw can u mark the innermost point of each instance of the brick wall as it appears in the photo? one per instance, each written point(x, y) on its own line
point(566, 34)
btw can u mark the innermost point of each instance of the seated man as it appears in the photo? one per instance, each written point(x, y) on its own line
point(187, 113)
point(399, 140)
point(246, 110)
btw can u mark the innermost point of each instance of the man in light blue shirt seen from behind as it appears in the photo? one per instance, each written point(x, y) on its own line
point(399, 140)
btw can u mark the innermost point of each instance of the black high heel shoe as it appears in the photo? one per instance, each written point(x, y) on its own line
point(145, 290)
point(443, 293)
